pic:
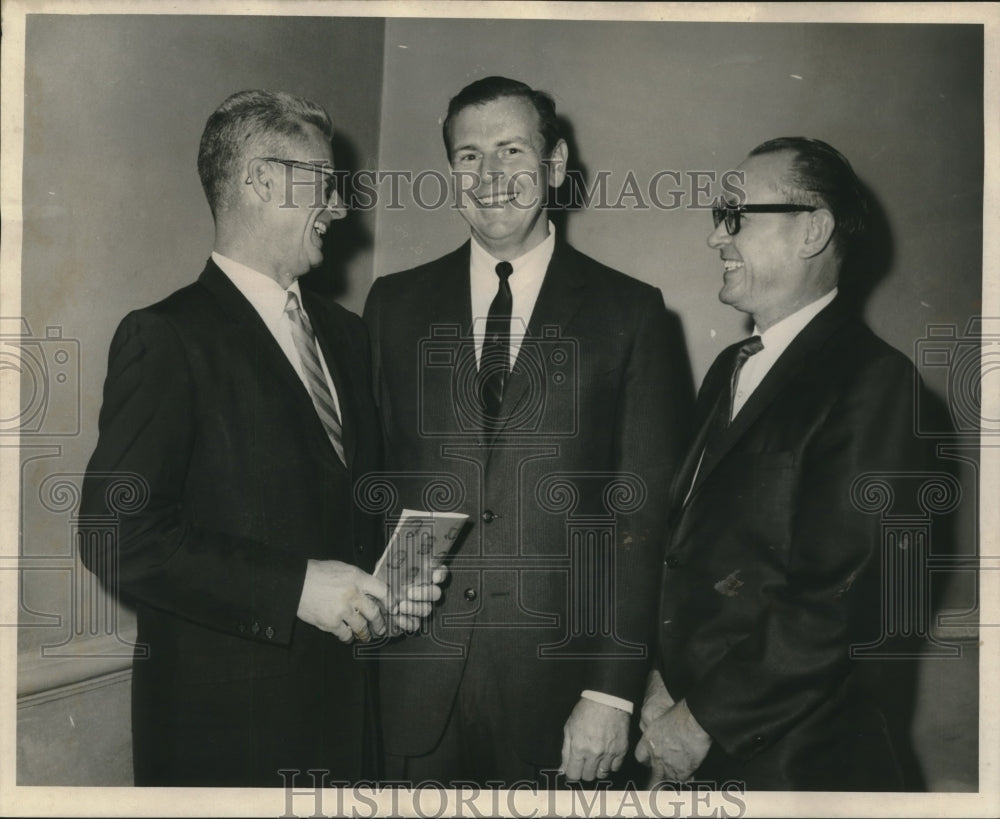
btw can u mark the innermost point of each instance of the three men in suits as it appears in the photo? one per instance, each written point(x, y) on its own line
point(547, 396)
point(237, 414)
point(772, 573)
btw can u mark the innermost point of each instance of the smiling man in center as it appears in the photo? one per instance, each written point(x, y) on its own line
point(545, 390)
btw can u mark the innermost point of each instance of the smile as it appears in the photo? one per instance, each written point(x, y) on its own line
point(730, 265)
point(494, 200)
point(320, 228)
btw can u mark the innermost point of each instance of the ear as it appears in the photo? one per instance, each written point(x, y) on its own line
point(820, 224)
point(557, 164)
point(259, 177)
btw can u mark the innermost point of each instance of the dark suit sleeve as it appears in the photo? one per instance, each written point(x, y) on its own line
point(148, 430)
point(652, 423)
point(797, 654)
point(373, 322)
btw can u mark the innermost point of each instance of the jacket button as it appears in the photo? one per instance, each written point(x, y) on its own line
point(759, 740)
point(470, 594)
point(255, 628)
point(360, 548)
point(672, 562)
point(269, 632)
point(489, 516)
point(241, 627)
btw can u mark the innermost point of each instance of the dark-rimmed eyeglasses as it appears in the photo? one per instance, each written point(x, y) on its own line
point(329, 184)
point(730, 214)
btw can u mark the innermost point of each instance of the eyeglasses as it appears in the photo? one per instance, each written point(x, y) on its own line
point(329, 185)
point(731, 213)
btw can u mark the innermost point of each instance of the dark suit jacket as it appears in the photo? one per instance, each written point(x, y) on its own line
point(237, 486)
point(555, 582)
point(773, 572)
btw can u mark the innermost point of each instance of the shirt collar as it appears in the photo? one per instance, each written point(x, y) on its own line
point(535, 260)
point(778, 336)
point(264, 293)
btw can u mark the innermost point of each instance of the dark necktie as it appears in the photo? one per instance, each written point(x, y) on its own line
point(305, 344)
point(494, 360)
point(724, 409)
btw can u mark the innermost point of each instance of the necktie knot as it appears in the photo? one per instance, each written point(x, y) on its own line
point(292, 304)
point(750, 347)
point(719, 421)
point(298, 316)
point(504, 269)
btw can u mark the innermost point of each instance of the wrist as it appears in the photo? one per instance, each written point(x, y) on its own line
point(609, 700)
point(692, 723)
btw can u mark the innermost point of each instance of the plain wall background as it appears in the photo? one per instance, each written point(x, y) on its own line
point(114, 216)
point(902, 102)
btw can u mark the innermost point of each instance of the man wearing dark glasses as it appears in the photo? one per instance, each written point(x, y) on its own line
point(237, 415)
point(772, 572)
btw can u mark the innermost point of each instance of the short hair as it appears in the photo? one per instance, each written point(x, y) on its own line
point(490, 89)
point(822, 176)
point(251, 121)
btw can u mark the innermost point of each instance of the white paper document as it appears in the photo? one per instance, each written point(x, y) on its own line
point(418, 544)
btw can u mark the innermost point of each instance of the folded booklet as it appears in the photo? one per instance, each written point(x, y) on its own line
point(418, 544)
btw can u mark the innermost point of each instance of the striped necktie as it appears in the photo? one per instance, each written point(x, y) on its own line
point(305, 344)
point(717, 425)
point(724, 412)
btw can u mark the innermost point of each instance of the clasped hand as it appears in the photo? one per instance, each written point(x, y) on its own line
point(595, 740)
point(673, 744)
point(353, 605)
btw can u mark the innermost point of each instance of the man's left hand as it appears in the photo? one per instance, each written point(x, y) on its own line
point(674, 745)
point(595, 741)
point(656, 702)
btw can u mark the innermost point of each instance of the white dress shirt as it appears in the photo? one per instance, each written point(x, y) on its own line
point(775, 339)
point(525, 285)
point(269, 299)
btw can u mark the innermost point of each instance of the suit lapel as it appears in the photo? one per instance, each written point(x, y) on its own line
point(440, 315)
point(789, 363)
point(259, 339)
point(451, 294)
point(448, 302)
point(562, 293)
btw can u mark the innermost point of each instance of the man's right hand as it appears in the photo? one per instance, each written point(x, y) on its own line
point(343, 600)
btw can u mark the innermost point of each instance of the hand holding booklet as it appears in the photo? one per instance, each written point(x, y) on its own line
point(417, 546)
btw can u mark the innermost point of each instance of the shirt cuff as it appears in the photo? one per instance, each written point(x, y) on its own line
point(607, 699)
